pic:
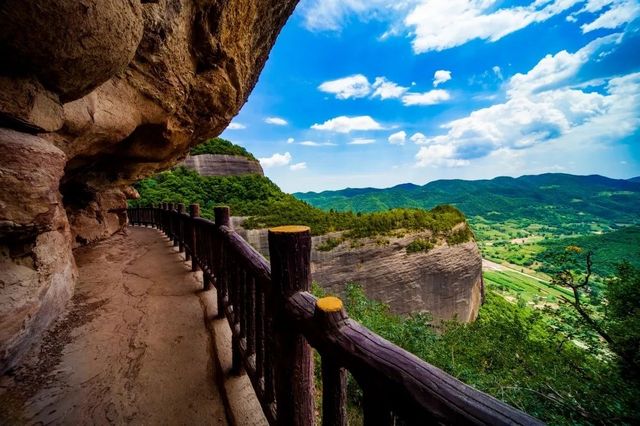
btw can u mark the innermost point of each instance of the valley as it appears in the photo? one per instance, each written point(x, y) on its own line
point(520, 222)
point(463, 274)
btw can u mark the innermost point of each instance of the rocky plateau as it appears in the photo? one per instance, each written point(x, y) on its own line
point(446, 281)
point(222, 165)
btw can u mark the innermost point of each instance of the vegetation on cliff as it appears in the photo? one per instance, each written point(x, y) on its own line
point(221, 147)
point(515, 354)
point(266, 206)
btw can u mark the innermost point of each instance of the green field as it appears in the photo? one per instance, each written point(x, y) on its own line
point(530, 290)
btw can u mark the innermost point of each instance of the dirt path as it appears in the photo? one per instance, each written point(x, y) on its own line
point(133, 348)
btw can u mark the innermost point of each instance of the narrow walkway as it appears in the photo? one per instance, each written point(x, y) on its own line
point(133, 348)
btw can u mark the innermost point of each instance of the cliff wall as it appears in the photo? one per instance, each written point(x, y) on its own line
point(222, 165)
point(445, 281)
point(95, 95)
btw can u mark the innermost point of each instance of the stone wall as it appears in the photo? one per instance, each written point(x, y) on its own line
point(95, 95)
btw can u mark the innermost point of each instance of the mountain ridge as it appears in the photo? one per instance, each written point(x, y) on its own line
point(550, 198)
point(409, 184)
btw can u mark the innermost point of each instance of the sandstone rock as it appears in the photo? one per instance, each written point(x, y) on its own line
point(222, 165)
point(37, 270)
point(99, 218)
point(194, 68)
point(71, 46)
point(446, 281)
point(30, 172)
point(24, 103)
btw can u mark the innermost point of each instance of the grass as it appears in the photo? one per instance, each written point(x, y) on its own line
point(523, 287)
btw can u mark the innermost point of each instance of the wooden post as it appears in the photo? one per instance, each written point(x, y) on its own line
point(194, 212)
point(181, 229)
point(330, 314)
point(222, 217)
point(290, 253)
point(163, 218)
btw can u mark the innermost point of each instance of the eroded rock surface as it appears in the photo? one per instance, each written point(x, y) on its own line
point(37, 270)
point(98, 94)
point(222, 165)
point(445, 281)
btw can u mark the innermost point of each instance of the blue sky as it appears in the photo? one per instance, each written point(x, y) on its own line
point(379, 92)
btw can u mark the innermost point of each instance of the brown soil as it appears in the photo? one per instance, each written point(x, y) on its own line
point(133, 347)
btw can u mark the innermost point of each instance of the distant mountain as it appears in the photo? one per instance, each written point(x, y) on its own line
point(635, 179)
point(552, 198)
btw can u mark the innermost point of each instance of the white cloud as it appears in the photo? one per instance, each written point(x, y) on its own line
point(291, 140)
point(418, 139)
point(354, 86)
point(276, 121)
point(441, 76)
point(498, 72)
point(398, 138)
point(433, 28)
point(344, 124)
point(298, 166)
point(428, 23)
point(620, 13)
point(332, 15)
point(312, 143)
point(439, 155)
point(431, 97)
point(361, 141)
point(555, 69)
point(539, 109)
point(276, 160)
point(236, 126)
point(385, 89)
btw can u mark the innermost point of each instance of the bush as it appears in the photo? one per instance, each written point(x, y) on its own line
point(510, 352)
point(419, 245)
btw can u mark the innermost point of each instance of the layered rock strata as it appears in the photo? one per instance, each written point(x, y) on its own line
point(95, 95)
point(446, 281)
point(222, 165)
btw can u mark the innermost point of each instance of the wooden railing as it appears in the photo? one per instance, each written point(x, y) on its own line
point(274, 320)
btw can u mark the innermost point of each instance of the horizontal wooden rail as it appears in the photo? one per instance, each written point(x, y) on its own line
point(274, 320)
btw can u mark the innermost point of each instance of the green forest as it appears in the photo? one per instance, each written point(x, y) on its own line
point(266, 205)
point(517, 355)
point(222, 147)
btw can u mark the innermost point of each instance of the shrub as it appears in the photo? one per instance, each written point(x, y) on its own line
point(419, 245)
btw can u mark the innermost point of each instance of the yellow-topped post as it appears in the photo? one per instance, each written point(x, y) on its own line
point(329, 304)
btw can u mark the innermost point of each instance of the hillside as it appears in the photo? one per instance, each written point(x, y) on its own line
point(502, 197)
point(266, 205)
point(635, 179)
point(608, 248)
point(561, 203)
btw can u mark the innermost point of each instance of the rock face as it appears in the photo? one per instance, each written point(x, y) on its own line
point(99, 94)
point(446, 281)
point(222, 165)
point(37, 270)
